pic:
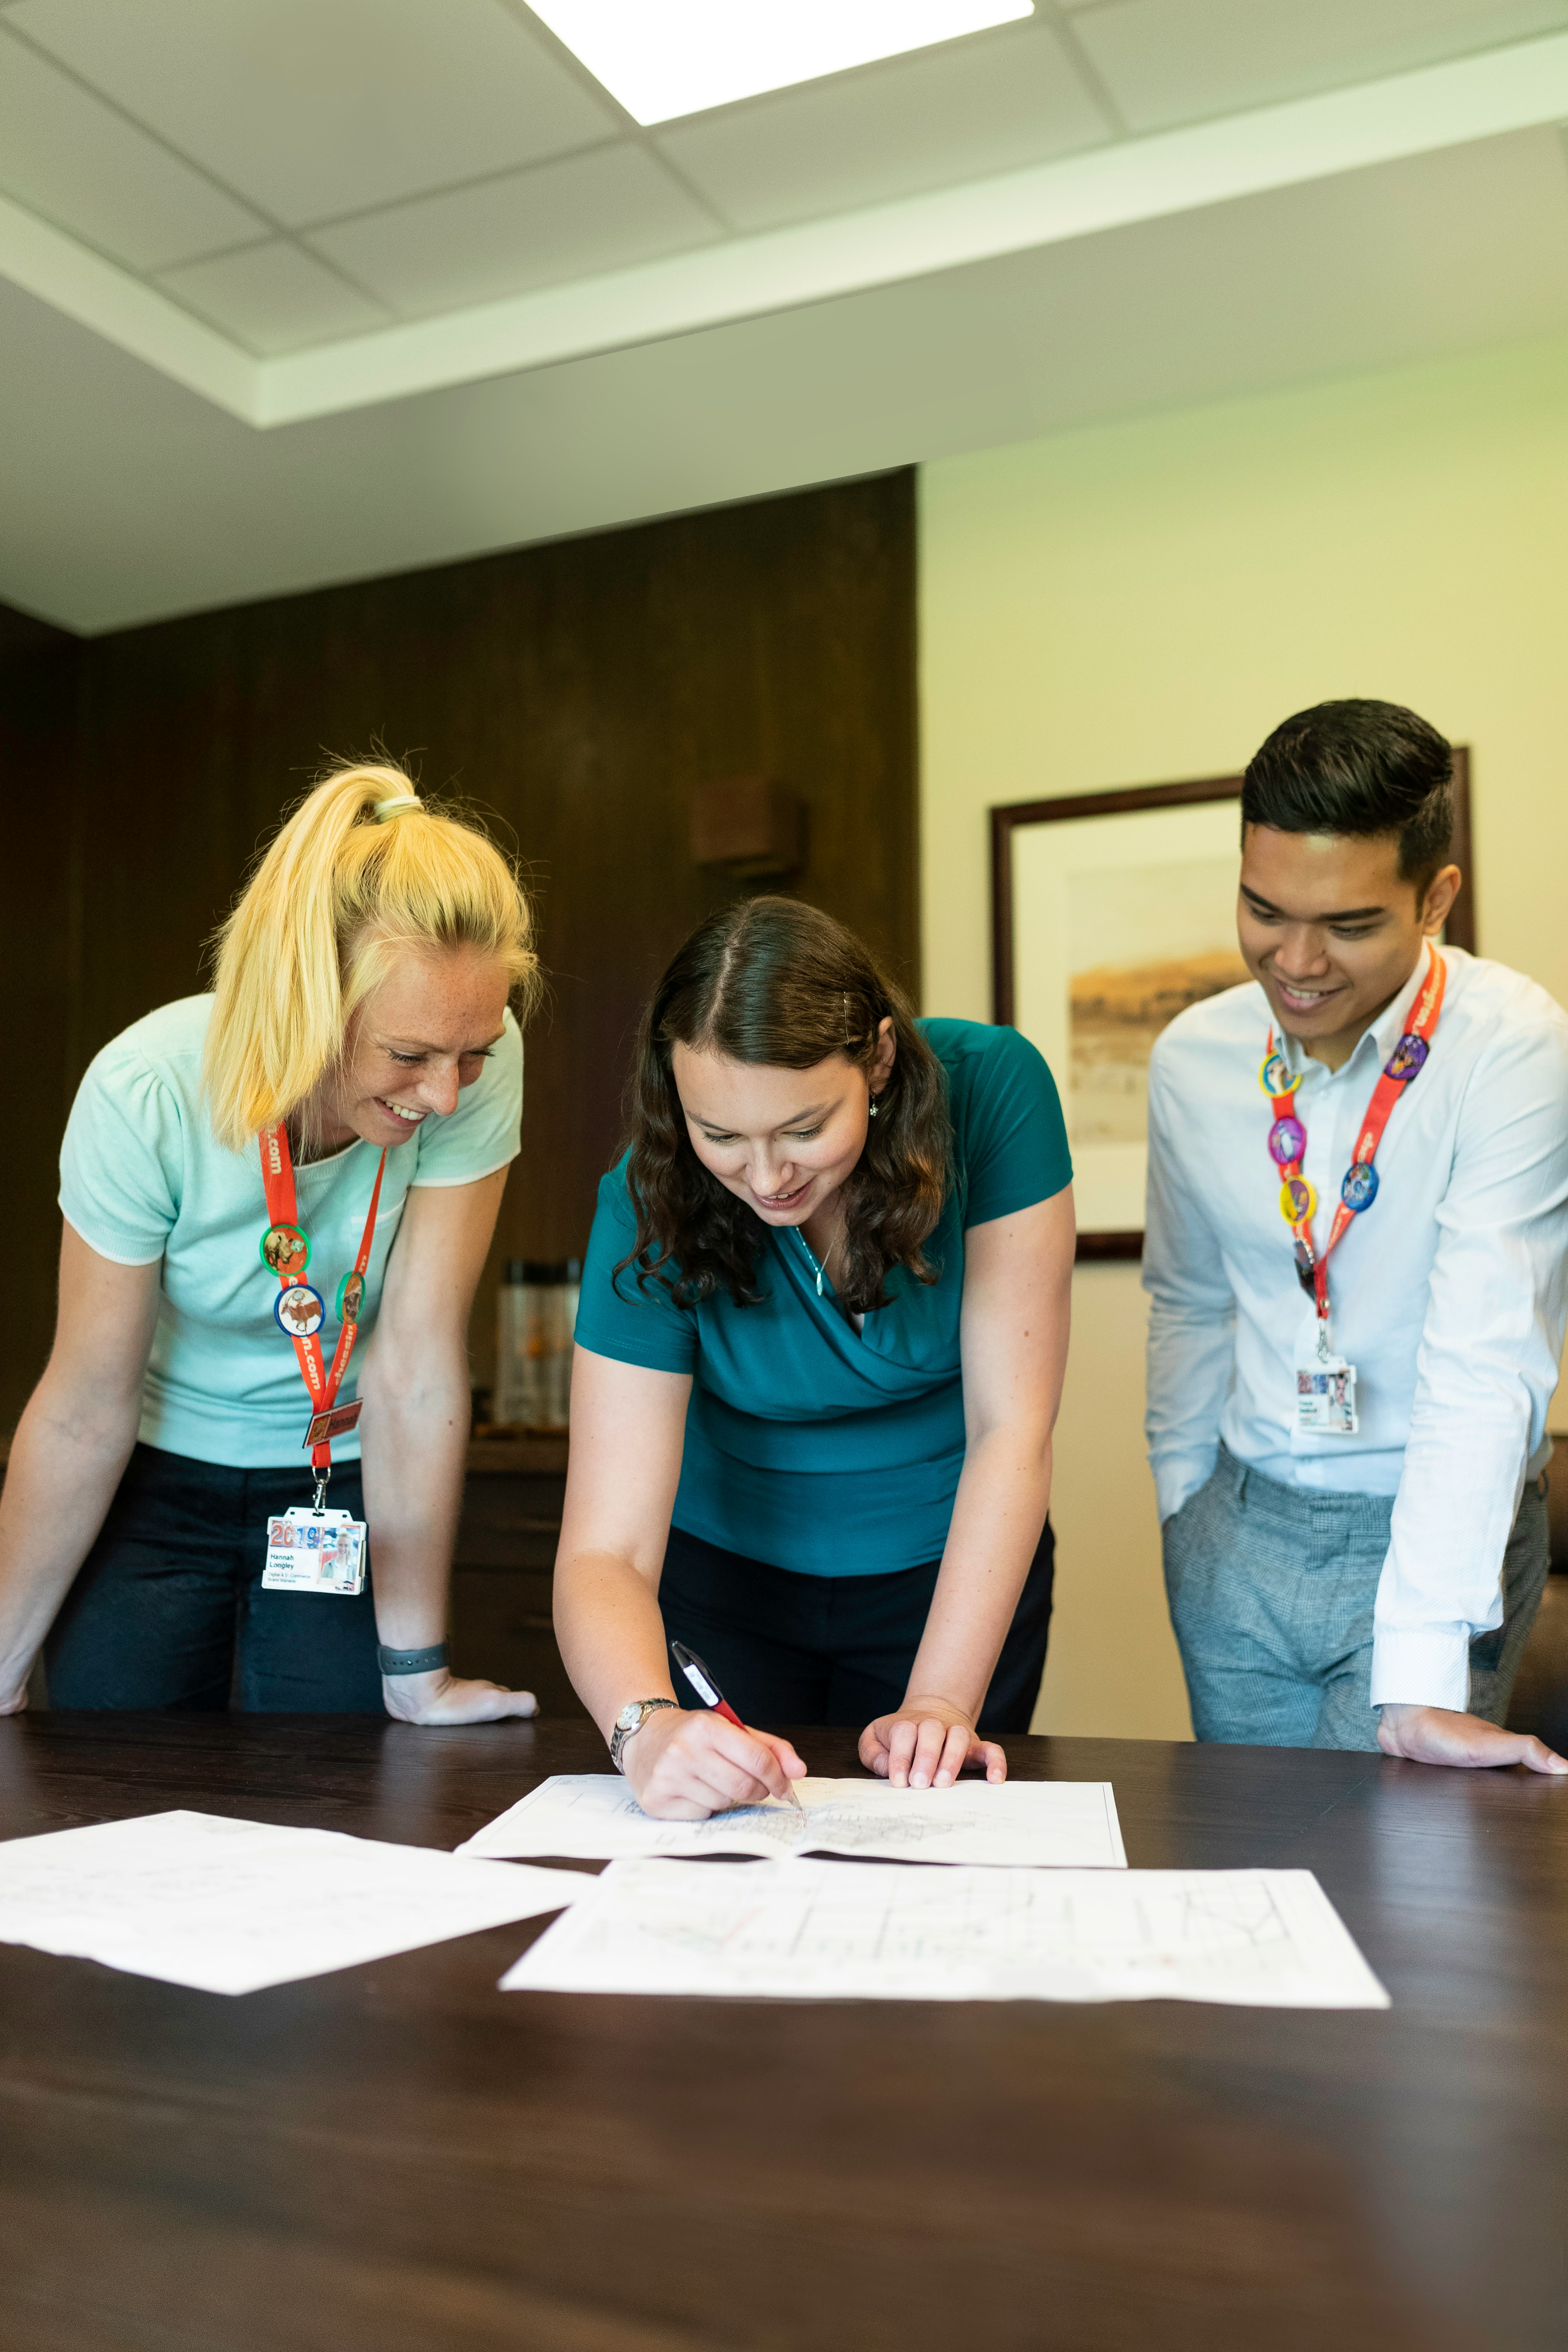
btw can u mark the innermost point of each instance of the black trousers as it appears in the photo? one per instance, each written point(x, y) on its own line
point(790, 1648)
point(168, 1612)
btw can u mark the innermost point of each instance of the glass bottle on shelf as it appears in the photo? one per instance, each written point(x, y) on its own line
point(536, 1313)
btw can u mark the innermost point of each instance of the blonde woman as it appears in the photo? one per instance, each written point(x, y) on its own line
point(260, 1184)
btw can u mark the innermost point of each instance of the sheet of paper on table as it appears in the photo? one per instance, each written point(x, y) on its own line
point(594, 1816)
point(824, 1930)
point(231, 1906)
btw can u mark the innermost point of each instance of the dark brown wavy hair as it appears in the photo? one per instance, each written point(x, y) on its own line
point(772, 982)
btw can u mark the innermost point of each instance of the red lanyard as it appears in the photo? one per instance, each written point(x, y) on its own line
point(299, 1310)
point(1288, 1137)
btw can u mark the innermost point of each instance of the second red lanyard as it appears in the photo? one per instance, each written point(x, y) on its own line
point(1288, 1137)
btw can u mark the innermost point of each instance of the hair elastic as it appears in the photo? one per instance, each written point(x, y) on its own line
point(384, 809)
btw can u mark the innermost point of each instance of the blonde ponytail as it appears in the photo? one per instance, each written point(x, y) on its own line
point(341, 889)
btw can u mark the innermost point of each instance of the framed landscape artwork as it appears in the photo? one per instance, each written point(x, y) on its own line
point(1111, 912)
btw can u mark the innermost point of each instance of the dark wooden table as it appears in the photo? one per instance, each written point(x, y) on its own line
point(401, 2156)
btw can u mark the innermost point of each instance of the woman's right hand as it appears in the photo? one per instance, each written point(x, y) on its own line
point(682, 1765)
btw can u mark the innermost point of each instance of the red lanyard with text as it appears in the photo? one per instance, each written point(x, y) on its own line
point(298, 1310)
point(1288, 1137)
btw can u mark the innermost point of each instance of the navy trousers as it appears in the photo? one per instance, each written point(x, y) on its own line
point(794, 1649)
point(168, 1612)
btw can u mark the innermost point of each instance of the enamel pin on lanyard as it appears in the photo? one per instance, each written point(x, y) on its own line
point(313, 1550)
point(1325, 1389)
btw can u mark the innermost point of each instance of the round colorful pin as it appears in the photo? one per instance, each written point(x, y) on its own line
point(298, 1310)
point(351, 1297)
point(1287, 1140)
point(1408, 1056)
point(285, 1252)
point(1297, 1201)
point(1274, 1075)
point(1358, 1190)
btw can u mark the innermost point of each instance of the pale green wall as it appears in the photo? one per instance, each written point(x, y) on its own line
point(1143, 600)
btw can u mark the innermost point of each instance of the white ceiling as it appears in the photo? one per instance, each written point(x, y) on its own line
point(300, 290)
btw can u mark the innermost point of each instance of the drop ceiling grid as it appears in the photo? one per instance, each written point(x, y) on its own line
point(274, 290)
point(186, 276)
point(281, 253)
point(1163, 62)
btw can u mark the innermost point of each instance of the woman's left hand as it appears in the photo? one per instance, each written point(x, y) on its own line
point(441, 1697)
point(926, 1745)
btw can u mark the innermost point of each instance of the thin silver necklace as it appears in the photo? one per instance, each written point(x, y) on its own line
point(818, 1270)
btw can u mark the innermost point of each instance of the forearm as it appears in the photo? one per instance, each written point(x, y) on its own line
point(413, 1448)
point(67, 1460)
point(1000, 1509)
point(611, 1633)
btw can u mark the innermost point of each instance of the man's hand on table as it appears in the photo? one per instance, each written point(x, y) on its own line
point(1436, 1735)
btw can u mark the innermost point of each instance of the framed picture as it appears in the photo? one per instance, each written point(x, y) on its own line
point(1111, 912)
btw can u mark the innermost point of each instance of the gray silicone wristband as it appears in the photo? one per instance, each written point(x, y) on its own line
point(412, 1662)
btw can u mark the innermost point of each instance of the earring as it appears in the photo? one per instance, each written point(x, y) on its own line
point(872, 1108)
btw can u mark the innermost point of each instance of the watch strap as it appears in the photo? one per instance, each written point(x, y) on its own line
point(411, 1662)
point(625, 1731)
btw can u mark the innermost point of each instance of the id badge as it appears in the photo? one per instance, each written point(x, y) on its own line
point(314, 1551)
point(1325, 1398)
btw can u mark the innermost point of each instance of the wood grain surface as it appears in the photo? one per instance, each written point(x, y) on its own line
point(401, 2156)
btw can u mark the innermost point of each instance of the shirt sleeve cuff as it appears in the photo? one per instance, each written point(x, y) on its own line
point(1177, 1476)
point(1424, 1665)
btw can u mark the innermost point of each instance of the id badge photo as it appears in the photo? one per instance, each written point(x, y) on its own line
point(314, 1551)
point(1325, 1398)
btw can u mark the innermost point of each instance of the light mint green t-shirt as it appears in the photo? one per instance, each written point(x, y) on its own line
point(143, 1179)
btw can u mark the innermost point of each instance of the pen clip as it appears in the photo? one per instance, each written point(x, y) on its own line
point(696, 1673)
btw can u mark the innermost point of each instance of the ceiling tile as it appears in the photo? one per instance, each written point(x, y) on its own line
point(590, 213)
point(1167, 62)
point(71, 159)
point(926, 121)
point(312, 108)
point(273, 298)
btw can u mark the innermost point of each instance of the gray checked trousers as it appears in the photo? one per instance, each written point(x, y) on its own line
point(1271, 1590)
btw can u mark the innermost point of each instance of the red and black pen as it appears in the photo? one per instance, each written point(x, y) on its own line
point(709, 1692)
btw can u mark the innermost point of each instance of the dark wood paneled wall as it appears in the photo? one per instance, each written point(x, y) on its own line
point(575, 691)
point(40, 932)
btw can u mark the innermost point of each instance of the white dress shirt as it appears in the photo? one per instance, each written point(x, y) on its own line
point(1448, 1294)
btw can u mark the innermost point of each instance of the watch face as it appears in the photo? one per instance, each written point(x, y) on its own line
point(630, 1716)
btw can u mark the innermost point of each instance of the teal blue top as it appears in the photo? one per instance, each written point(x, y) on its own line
point(145, 1182)
point(810, 1444)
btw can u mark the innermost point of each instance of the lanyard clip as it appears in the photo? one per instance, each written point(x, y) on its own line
point(316, 1500)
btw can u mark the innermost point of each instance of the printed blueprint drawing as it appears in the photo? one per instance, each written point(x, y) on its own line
point(822, 1930)
point(593, 1816)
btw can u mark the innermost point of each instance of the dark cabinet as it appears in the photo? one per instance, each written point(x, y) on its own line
point(502, 1565)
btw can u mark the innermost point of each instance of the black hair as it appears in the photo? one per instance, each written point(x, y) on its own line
point(1358, 768)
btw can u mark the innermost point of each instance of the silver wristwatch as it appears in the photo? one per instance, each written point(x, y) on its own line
point(631, 1719)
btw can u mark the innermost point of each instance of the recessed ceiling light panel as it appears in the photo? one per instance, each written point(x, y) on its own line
point(665, 58)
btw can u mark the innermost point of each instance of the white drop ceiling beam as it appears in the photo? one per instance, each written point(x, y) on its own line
point(1406, 115)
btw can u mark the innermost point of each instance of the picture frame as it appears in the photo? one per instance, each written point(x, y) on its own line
point(1111, 912)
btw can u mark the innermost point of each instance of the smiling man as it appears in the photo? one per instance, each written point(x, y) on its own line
point(1357, 1223)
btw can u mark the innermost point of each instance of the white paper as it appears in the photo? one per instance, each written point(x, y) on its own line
point(594, 1816)
point(819, 1930)
point(231, 1906)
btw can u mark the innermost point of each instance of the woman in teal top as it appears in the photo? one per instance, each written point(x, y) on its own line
point(821, 1340)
